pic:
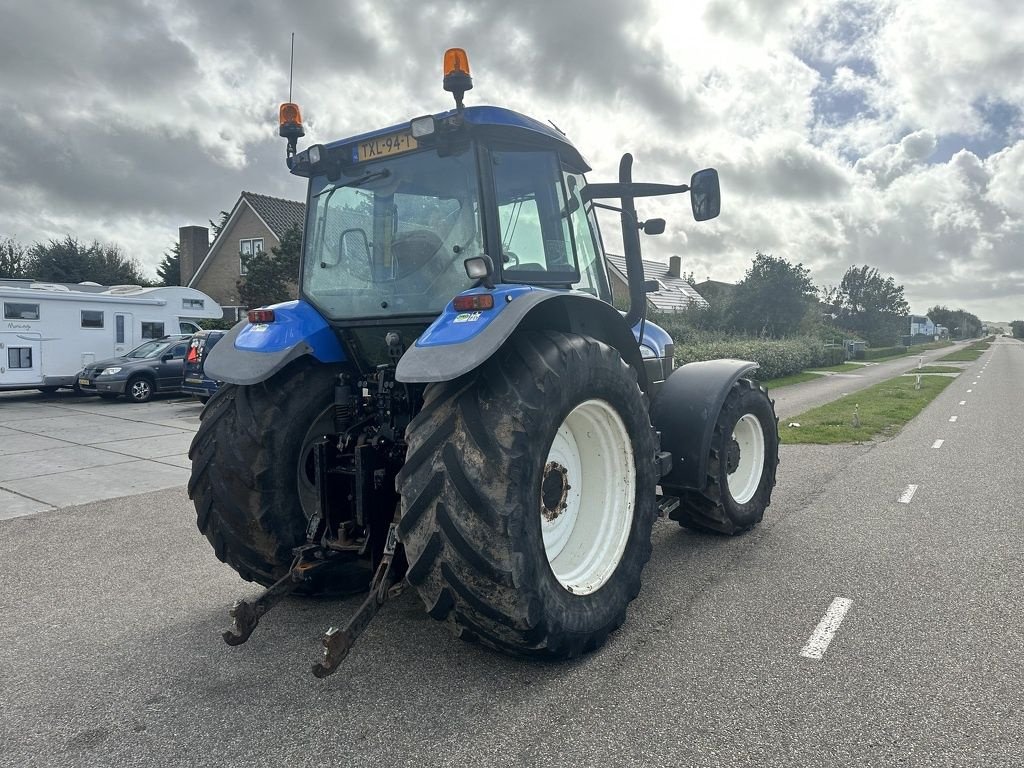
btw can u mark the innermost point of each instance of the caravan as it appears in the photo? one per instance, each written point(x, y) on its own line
point(48, 332)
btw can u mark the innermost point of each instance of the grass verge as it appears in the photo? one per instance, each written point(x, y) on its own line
point(937, 369)
point(882, 410)
point(967, 354)
point(785, 381)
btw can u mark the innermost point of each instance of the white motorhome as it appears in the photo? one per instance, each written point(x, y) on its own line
point(50, 332)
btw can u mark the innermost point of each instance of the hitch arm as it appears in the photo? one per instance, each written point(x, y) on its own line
point(246, 614)
point(338, 642)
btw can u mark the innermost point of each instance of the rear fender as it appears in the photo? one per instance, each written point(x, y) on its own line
point(249, 354)
point(685, 411)
point(459, 342)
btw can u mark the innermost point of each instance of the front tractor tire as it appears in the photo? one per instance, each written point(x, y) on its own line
point(252, 482)
point(741, 466)
point(528, 496)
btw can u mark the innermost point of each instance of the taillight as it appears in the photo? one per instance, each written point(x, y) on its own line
point(473, 301)
point(260, 316)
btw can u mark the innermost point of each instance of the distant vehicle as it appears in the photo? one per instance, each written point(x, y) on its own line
point(49, 333)
point(155, 366)
point(195, 381)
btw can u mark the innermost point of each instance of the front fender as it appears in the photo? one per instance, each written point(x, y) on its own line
point(249, 353)
point(458, 342)
point(685, 411)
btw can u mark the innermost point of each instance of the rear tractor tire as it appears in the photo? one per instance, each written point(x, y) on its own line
point(252, 475)
point(741, 467)
point(528, 496)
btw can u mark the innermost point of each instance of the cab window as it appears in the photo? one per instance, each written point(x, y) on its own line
point(536, 236)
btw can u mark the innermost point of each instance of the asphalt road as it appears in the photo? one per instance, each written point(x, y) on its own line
point(110, 654)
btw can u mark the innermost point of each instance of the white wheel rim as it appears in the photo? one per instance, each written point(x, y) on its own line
point(588, 495)
point(749, 436)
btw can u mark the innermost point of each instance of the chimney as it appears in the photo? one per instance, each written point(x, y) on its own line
point(193, 243)
point(674, 266)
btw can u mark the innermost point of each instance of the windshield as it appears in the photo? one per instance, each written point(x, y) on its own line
point(394, 241)
point(149, 349)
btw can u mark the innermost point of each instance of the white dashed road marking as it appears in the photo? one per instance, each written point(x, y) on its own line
point(826, 629)
point(963, 402)
point(969, 391)
point(908, 494)
point(952, 418)
point(938, 443)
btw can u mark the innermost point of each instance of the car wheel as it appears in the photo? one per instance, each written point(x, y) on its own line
point(139, 389)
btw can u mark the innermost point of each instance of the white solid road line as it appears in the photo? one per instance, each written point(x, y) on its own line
point(938, 443)
point(826, 629)
point(952, 418)
point(908, 494)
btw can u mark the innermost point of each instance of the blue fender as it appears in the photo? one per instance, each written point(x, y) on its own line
point(459, 342)
point(250, 353)
point(685, 411)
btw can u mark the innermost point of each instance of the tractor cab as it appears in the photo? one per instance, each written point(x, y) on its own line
point(403, 219)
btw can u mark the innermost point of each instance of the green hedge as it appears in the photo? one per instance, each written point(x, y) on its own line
point(777, 357)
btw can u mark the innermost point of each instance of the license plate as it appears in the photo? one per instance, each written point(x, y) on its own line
point(382, 146)
point(83, 382)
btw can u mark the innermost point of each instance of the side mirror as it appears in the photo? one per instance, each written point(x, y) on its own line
point(705, 194)
point(653, 226)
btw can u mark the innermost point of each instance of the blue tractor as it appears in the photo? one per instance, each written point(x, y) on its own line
point(454, 402)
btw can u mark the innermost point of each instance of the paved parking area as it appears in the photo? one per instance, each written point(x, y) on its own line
point(60, 450)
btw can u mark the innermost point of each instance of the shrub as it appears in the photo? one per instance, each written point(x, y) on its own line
point(776, 357)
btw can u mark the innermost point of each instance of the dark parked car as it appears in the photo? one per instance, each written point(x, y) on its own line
point(195, 382)
point(154, 366)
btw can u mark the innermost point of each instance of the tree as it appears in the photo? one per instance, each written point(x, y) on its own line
point(271, 278)
point(14, 259)
point(68, 261)
point(1017, 326)
point(773, 297)
point(871, 305)
point(169, 270)
point(961, 323)
point(216, 227)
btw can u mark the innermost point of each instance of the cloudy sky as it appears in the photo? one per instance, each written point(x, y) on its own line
point(847, 132)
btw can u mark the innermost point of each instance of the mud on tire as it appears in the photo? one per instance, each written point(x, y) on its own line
point(246, 479)
point(472, 501)
point(715, 509)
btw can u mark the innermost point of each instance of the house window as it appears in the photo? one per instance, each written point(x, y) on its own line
point(92, 318)
point(152, 330)
point(18, 311)
point(19, 357)
point(192, 303)
point(247, 249)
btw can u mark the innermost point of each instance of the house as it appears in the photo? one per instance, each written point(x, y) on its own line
point(256, 224)
point(921, 325)
point(673, 294)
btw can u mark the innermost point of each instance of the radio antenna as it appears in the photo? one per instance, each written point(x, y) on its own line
point(291, 68)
